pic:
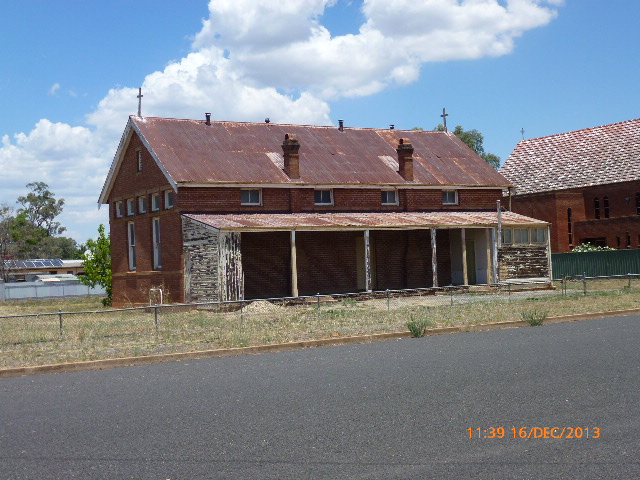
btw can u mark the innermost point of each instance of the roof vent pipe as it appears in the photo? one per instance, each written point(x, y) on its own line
point(208, 119)
point(391, 127)
point(341, 125)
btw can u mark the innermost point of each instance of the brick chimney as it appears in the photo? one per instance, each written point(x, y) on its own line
point(405, 159)
point(290, 148)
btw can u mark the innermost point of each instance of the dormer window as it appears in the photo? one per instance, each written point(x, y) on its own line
point(450, 197)
point(389, 197)
point(251, 197)
point(323, 197)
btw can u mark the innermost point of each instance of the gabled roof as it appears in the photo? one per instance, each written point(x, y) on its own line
point(593, 156)
point(190, 152)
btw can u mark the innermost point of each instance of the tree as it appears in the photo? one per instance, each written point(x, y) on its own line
point(97, 264)
point(589, 247)
point(6, 217)
point(474, 139)
point(41, 208)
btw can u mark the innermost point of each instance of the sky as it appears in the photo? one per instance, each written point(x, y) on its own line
point(71, 70)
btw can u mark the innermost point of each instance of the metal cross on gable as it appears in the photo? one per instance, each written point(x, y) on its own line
point(444, 117)
point(140, 102)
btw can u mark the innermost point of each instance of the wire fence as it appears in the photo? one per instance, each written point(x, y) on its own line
point(166, 328)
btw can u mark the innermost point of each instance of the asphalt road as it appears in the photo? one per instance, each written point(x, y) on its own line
point(396, 409)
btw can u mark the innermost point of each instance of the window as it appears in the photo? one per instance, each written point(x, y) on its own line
point(538, 235)
point(119, 210)
point(628, 240)
point(323, 197)
point(131, 207)
point(157, 252)
point(139, 153)
point(605, 201)
point(168, 199)
point(570, 225)
point(596, 207)
point(251, 197)
point(637, 203)
point(507, 235)
point(155, 202)
point(389, 197)
point(132, 245)
point(520, 235)
point(142, 204)
point(449, 197)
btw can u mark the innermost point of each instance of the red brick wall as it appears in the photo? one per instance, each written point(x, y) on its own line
point(266, 264)
point(402, 259)
point(133, 287)
point(552, 207)
point(326, 262)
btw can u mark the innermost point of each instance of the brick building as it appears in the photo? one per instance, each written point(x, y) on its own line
point(226, 210)
point(585, 183)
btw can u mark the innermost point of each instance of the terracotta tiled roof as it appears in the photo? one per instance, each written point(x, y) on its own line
point(233, 152)
point(593, 156)
point(347, 220)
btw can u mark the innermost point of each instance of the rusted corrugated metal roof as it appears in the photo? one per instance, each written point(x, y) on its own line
point(582, 158)
point(360, 221)
point(233, 152)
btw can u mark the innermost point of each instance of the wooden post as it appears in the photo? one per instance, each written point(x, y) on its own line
point(367, 261)
point(434, 258)
point(294, 265)
point(465, 274)
point(487, 235)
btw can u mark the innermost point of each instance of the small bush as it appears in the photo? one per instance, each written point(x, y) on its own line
point(418, 327)
point(534, 318)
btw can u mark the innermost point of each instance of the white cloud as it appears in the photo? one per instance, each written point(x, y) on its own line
point(54, 89)
point(259, 58)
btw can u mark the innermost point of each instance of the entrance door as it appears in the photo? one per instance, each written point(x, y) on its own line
point(471, 262)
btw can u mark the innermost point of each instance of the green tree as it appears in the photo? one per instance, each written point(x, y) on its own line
point(6, 218)
point(475, 141)
point(97, 264)
point(41, 208)
point(589, 247)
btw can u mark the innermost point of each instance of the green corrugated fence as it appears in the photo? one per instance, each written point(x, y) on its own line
point(595, 264)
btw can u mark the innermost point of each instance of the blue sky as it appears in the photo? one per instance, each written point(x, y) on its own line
point(71, 70)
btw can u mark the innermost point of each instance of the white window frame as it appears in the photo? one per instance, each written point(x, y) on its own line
point(131, 244)
point(157, 245)
point(131, 207)
point(322, 191)
point(387, 202)
point(168, 199)
point(538, 235)
point(119, 209)
point(517, 233)
point(142, 204)
point(507, 236)
point(446, 201)
point(155, 202)
point(251, 202)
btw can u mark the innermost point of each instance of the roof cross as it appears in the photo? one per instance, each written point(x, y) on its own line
point(522, 132)
point(444, 116)
point(140, 102)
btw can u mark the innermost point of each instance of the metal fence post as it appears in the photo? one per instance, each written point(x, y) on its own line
point(388, 307)
point(509, 289)
point(60, 318)
point(241, 312)
point(155, 313)
point(629, 280)
point(318, 297)
point(584, 282)
point(451, 291)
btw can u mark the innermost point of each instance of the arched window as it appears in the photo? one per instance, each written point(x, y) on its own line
point(596, 207)
point(605, 201)
point(570, 225)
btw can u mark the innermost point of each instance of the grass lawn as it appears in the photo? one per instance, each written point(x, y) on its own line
point(39, 340)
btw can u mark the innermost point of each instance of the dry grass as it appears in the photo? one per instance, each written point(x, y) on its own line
point(37, 340)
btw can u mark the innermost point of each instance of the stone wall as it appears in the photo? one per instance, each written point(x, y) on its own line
point(523, 261)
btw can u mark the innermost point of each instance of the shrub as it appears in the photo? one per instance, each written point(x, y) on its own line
point(534, 318)
point(418, 327)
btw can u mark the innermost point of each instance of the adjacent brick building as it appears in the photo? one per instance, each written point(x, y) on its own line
point(226, 210)
point(586, 183)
